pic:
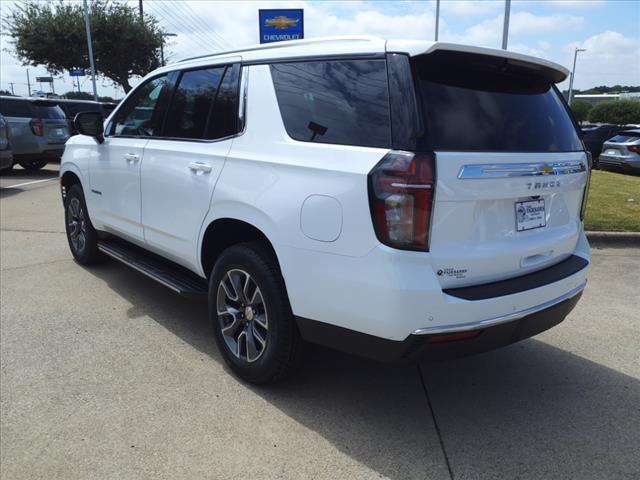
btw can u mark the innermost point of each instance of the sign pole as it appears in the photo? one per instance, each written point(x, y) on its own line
point(87, 25)
point(437, 17)
point(28, 83)
point(505, 29)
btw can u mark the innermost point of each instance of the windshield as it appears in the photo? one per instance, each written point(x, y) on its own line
point(476, 104)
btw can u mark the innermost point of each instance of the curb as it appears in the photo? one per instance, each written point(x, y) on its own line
point(614, 239)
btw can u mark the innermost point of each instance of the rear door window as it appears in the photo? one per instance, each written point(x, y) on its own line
point(339, 102)
point(10, 107)
point(485, 104)
point(625, 137)
point(191, 111)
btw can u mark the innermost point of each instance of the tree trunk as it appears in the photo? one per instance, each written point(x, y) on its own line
point(124, 83)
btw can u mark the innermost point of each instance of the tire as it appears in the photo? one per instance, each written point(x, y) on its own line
point(265, 345)
point(82, 237)
point(33, 165)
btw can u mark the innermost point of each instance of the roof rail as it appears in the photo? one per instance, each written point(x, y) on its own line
point(288, 43)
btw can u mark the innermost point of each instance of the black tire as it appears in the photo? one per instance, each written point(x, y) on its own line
point(280, 354)
point(82, 237)
point(33, 165)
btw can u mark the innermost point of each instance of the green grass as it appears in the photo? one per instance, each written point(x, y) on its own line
point(614, 202)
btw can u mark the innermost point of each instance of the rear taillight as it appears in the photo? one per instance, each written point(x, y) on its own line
point(634, 148)
point(585, 192)
point(36, 126)
point(401, 189)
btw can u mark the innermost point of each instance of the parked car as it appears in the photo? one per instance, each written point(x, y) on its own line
point(72, 107)
point(622, 151)
point(393, 199)
point(6, 156)
point(37, 130)
point(595, 136)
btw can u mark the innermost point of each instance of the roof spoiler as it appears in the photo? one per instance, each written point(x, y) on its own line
point(553, 71)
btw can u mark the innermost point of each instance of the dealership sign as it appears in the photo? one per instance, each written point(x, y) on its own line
point(280, 25)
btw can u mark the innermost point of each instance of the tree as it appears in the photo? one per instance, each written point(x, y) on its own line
point(6, 92)
point(619, 112)
point(54, 35)
point(580, 109)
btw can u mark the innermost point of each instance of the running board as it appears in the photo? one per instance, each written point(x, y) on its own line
point(170, 275)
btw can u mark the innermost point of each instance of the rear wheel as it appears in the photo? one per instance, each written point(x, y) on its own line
point(251, 316)
point(32, 165)
point(82, 237)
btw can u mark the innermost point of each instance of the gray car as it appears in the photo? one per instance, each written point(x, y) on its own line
point(38, 130)
point(622, 151)
point(6, 156)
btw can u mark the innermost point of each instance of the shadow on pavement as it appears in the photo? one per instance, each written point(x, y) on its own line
point(9, 192)
point(17, 171)
point(527, 411)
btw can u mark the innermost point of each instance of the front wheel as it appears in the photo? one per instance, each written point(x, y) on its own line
point(251, 316)
point(82, 237)
point(33, 165)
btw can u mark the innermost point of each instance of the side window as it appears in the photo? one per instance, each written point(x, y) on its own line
point(224, 119)
point(191, 103)
point(340, 102)
point(138, 116)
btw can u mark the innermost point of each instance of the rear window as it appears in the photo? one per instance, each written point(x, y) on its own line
point(339, 102)
point(481, 103)
point(48, 111)
point(625, 137)
point(10, 107)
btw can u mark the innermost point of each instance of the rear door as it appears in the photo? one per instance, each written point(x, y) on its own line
point(511, 170)
point(180, 169)
point(18, 113)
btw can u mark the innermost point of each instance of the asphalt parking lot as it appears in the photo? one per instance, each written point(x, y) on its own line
point(106, 374)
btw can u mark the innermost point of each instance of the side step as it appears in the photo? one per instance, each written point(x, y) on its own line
point(162, 271)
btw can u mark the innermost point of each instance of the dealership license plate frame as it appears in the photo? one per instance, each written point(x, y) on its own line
point(528, 220)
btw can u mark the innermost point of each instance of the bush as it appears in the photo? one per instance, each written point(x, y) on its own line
point(618, 112)
point(580, 109)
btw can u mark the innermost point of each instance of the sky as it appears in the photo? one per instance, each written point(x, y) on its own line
point(551, 29)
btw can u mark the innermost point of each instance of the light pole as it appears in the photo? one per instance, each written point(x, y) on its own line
point(573, 72)
point(162, 44)
point(437, 17)
point(87, 24)
point(505, 28)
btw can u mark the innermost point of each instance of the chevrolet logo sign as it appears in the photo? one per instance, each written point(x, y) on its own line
point(281, 22)
point(546, 169)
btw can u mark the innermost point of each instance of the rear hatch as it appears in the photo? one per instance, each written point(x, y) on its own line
point(624, 144)
point(511, 169)
point(54, 121)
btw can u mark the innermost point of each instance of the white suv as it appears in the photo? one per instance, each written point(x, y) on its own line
point(393, 199)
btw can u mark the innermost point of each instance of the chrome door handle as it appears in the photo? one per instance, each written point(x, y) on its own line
point(200, 167)
point(131, 157)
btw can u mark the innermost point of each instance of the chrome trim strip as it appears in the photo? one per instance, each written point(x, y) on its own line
point(114, 255)
point(415, 186)
point(464, 327)
point(507, 170)
point(242, 100)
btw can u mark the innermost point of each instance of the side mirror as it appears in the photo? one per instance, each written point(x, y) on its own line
point(90, 123)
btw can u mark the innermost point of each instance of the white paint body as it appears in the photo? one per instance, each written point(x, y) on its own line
point(311, 201)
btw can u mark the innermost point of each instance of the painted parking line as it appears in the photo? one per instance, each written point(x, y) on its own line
point(31, 183)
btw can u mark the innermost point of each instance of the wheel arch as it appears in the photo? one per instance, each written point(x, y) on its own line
point(70, 175)
point(224, 232)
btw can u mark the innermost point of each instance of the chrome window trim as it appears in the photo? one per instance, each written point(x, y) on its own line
point(509, 170)
point(464, 327)
point(242, 99)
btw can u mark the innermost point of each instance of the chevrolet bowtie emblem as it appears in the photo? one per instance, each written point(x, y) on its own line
point(281, 22)
point(546, 169)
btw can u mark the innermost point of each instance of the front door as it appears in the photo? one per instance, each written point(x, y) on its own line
point(114, 173)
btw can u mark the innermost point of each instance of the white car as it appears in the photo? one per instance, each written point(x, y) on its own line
point(393, 199)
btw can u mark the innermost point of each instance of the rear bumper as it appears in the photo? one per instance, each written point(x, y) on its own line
point(627, 162)
point(427, 345)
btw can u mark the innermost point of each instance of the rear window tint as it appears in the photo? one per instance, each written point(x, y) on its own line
point(15, 108)
point(48, 111)
point(480, 105)
point(339, 102)
point(625, 137)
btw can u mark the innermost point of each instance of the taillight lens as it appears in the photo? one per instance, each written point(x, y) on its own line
point(36, 126)
point(634, 148)
point(585, 192)
point(401, 189)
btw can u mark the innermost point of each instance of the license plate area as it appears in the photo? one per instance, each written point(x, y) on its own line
point(530, 214)
point(611, 151)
